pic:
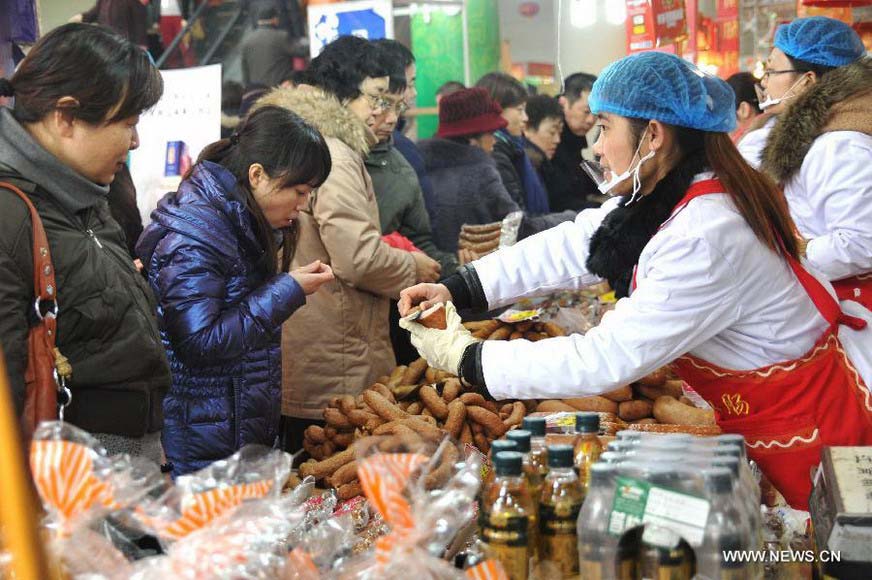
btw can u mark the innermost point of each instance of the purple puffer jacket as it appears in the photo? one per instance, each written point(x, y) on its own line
point(220, 320)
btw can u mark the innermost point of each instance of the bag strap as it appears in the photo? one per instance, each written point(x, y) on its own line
point(44, 285)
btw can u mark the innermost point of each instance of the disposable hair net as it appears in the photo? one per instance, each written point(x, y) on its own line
point(820, 40)
point(663, 87)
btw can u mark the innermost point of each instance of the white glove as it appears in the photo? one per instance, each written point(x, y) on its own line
point(442, 349)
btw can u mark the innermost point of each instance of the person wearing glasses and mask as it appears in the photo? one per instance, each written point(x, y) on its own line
point(820, 149)
point(339, 342)
point(701, 250)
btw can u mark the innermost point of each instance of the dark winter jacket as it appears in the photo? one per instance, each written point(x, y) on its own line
point(401, 204)
point(469, 191)
point(570, 186)
point(410, 151)
point(106, 323)
point(518, 174)
point(220, 320)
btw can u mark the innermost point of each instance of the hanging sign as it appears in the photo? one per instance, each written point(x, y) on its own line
point(654, 24)
point(369, 19)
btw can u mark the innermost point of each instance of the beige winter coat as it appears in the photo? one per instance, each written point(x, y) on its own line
point(338, 343)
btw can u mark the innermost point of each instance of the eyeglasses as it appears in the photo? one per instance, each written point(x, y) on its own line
point(767, 72)
point(378, 102)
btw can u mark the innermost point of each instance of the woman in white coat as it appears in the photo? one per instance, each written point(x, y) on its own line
point(701, 247)
point(820, 147)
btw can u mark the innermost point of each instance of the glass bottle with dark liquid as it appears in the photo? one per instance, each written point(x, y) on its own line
point(507, 516)
point(559, 505)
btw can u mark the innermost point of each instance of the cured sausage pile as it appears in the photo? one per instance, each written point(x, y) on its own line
point(417, 402)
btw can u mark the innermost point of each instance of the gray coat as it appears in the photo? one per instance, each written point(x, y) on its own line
point(468, 190)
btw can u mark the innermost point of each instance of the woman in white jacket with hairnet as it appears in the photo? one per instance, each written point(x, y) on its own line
point(700, 247)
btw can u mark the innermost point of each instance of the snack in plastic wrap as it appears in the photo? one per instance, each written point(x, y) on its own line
point(424, 520)
point(253, 472)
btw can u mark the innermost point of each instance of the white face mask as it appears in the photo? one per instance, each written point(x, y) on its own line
point(770, 102)
point(597, 173)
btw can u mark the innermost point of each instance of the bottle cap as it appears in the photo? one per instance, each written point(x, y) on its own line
point(560, 456)
point(718, 480)
point(727, 451)
point(628, 435)
point(731, 463)
point(612, 457)
point(587, 422)
point(503, 445)
point(535, 425)
point(522, 438)
point(601, 473)
point(508, 463)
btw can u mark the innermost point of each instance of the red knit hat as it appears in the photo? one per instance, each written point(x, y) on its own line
point(469, 112)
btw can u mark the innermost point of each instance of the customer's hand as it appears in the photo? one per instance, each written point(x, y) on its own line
point(427, 269)
point(312, 276)
point(76, 18)
point(423, 295)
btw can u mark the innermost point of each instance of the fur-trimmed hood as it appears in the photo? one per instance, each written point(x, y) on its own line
point(325, 112)
point(444, 154)
point(842, 101)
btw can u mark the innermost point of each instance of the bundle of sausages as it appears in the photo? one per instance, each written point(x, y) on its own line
point(655, 403)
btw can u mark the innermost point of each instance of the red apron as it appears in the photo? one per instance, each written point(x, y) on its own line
point(858, 289)
point(788, 411)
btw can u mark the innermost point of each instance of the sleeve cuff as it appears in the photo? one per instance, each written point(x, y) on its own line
point(466, 289)
point(470, 371)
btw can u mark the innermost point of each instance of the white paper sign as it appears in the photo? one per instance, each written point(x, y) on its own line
point(189, 111)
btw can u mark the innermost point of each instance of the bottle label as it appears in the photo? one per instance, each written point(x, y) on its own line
point(559, 537)
point(508, 543)
point(638, 502)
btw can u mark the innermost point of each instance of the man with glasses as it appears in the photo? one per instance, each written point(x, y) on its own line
point(402, 143)
point(400, 200)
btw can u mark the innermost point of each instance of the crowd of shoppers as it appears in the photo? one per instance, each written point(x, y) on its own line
point(269, 279)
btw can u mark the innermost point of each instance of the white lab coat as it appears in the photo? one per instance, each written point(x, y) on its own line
point(830, 199)
point(751, 144)
point(706, 286)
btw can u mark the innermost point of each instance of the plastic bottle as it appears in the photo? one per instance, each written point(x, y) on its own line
point(507, 516)
point(725, 529)
point(532, 473)
point(538, 452)
point(559, 506)
point(587, 444)
point(596, 558)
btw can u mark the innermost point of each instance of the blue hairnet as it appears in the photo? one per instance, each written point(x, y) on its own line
point(820, 40)
point(665, 88)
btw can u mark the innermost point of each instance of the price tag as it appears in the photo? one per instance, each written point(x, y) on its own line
point(638, 502)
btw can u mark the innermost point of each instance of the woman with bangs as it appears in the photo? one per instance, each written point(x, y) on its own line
point(61, 144)
point(218, 252)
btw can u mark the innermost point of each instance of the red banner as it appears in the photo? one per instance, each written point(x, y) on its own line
point(654, 23)
point(641, 35)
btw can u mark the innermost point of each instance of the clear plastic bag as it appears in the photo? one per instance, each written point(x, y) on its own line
point(426, 494)
point(253, 472)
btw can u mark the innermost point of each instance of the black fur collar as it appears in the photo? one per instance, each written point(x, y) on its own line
point(616, 246)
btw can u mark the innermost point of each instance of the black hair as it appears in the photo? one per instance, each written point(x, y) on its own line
point(449, 88)
point(541, 107)
point(344, 64)
point(577, 83)
point(803, 66)
point(395, 64)
point(504, 89)
point(297, 78)
point(110, 77)
point(743, 84)
point(289, 149)
point(398, 49)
